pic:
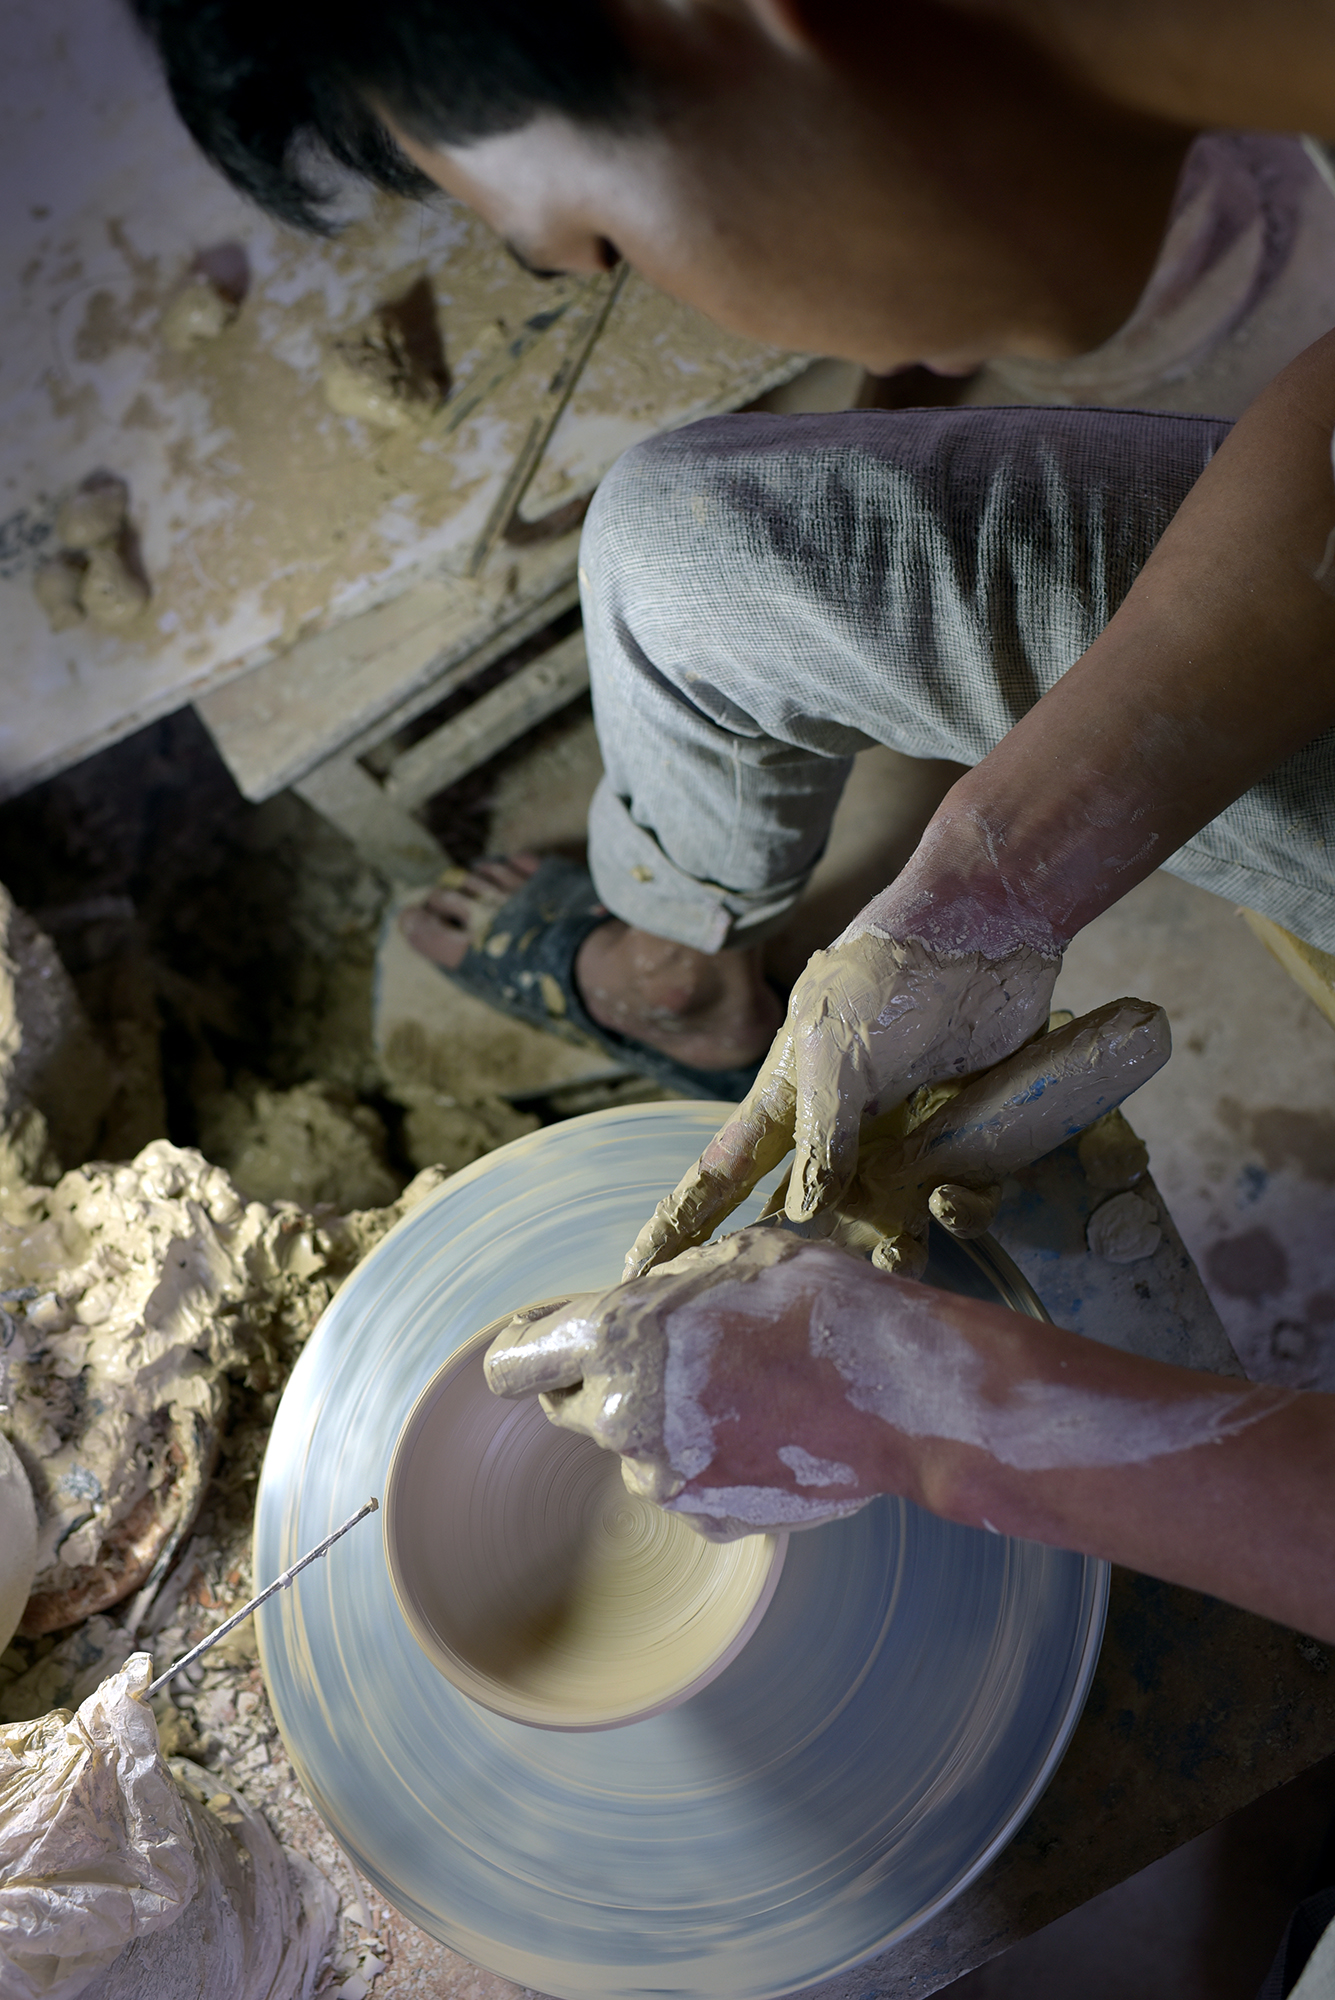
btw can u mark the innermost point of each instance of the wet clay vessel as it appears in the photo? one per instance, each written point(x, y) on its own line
point(536, 1583)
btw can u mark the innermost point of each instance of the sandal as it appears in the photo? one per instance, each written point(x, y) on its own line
point(524, 965)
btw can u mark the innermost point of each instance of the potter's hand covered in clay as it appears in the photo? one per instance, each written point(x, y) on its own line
point(869, 1021)
point(705, 1375)
point(946, 1151)
point(771, 1382)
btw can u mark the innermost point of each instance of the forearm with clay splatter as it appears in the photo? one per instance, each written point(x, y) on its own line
point(1220, 1485)
point(764, 1382)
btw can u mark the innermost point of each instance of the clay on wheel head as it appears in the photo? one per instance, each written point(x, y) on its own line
point(537, 1583)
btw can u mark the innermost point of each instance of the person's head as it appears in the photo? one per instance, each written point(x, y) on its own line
point(895, 182)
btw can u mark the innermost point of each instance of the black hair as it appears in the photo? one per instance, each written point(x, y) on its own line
point(268, 87)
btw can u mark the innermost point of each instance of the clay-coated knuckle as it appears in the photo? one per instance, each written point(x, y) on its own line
point(650, 1479)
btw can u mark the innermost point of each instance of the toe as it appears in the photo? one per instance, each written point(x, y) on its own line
point(458, 909)
point(450, 918)
point(500, 875)
point(443, 942)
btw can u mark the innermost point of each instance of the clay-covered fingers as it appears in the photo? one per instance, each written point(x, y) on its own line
point(857, 1026)
point(965, 1211)
point(904, 1255)
point(754, 1140)
point(543, 1347)
point(831, 1096)
point(577, 1408)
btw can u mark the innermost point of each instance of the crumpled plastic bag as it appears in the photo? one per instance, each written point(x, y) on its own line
point(119, 1883)
point(95, 1846)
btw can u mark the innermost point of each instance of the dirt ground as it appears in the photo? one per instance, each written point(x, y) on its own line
point(218, 946)
point(225, 953)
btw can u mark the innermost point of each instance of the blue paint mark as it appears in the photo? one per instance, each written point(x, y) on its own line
point(1252, 1184)
point(81, 1484)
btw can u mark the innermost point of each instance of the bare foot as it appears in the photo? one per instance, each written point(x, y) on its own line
point(709, 1012)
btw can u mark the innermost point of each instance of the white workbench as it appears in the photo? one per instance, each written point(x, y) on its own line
point(265, 520)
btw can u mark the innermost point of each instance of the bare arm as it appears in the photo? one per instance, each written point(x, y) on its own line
point(1219, 663)
point(764, 1381)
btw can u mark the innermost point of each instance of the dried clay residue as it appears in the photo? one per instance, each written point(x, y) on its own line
point(98, 571)
point(132, 1292)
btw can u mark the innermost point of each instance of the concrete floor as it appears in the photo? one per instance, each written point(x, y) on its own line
point(1241, 1122)
point(1202, 1924)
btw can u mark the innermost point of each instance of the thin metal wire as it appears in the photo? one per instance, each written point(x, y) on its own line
point(279, 1583)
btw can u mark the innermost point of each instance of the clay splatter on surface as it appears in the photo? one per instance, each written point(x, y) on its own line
point(1124, 1229)
point(390, 372)
point(95, 512)
point(57, 584)
point(1286, 1136)
point(98, 573)
point(1251, 1265)
point(264, 514)
point(200, 312)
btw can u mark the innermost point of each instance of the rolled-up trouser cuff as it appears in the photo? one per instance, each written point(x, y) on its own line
point(639, 884)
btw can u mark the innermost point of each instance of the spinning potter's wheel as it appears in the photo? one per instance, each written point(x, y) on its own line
point(902, 1703)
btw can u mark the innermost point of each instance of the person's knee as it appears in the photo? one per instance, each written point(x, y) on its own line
point(679, 513)
point(640, 523)
point(649, 572)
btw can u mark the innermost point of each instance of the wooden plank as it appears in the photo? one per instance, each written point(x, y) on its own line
point(495, 719)
point(390, 838)
point(361, 679)
point(1313, 969)
point(504, 639)
point(547, 412)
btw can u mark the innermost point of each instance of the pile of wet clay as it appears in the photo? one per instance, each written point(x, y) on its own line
point(150, 1312)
